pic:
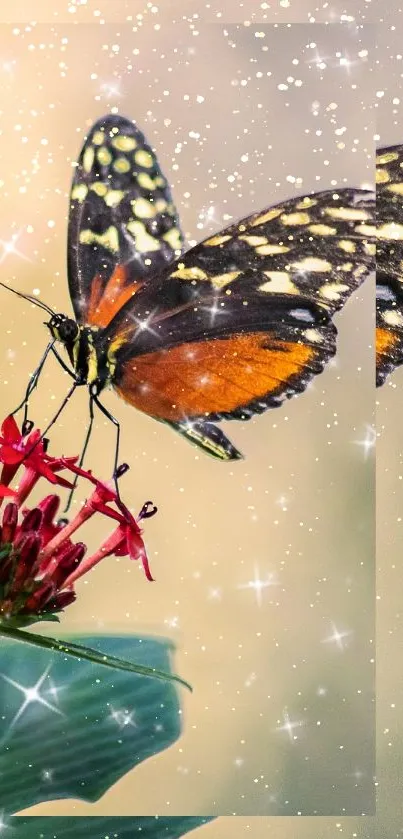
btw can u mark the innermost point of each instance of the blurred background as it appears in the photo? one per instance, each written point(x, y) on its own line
point(264, 569)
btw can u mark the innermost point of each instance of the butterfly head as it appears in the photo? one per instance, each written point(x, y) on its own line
point(63, 329)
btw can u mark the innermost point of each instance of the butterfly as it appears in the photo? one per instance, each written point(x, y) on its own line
point(223, 330)
point(389, 261)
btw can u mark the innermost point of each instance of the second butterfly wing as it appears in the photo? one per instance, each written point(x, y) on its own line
point(389, 261)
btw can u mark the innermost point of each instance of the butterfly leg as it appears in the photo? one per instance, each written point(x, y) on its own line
point(116, 423)
point(32, 383)
point(83, 453)
point(56, 416)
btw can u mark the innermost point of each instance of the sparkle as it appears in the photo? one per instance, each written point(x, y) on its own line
point(369, 441)
point(337, 638)
point(358, 775)
point(173, 623)
point(239, 761)
point(31, 695)
point(10, 247)
point(144, 325)
point(208, 215)
point(111, 89)
point(321, 691)
point(123, 717)
point(47, 775)
point(3, 823)
point(289, 726)
point(214, 310)
point(214, 594)
point(257, 584)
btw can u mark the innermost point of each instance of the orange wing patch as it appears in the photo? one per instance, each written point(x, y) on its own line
point(386, 340)
point(106, 301)
point(213, 377)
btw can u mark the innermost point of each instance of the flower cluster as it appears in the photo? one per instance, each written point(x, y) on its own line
point(39, 562)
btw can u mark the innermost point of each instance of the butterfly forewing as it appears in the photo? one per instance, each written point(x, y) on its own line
point(389, 261)
point(318, 246)
point(123, 226)
point(243, 320)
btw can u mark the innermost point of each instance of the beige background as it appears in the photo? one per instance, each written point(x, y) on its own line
point(299, 511)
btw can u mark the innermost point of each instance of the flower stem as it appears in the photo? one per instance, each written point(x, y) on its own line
point(80, 652)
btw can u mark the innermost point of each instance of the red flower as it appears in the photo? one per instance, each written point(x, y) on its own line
point(39, 562)
point(28, 450)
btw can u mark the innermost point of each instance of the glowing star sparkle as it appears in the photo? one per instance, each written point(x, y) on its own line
point(368, 442)
point(123, 717)
point(289, 726)
point(31, 695)
point(257, 584)
point(338, 638)
point(10, 248)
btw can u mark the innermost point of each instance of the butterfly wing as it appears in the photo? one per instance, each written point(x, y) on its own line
point(243, 321)
point(389, 261)
point(123, 226)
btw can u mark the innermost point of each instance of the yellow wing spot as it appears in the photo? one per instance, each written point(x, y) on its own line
point(173, 237)
point(313, 336)
point(79, 192)
point(347, 245)
point(279, 282)
point(396, 188)
point(142, 240)
point(254, 241)
point(121, 165)
point(123, 143)
point(345, 266)
point(387, 157)
point(322, 229)
point(392, 317)
point(98, 138)
point(146, 182)
point(104, 156)
point(216, 240)
point(109, 239)
point(332, 291)
point(221, 280)
point(306, 202)
point(295, 218)
point(382, 176)
point(312, 263)
point(347, 213)
point(143, 208)
point(193, 273)
point(113, 197)
point(392, 230)
point(270, 250)
point(271, 214)
point(144, 158)
point(99, 188)
point(160, 181)
point(366, 229)
point(88, 159)
point(370, 248)
point(161, 205)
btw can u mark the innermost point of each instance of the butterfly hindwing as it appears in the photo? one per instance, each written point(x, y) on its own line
point(389, 261)
point(243, 320)
point(123, 226)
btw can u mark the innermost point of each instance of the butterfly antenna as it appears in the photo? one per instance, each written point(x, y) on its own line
point(28, 297)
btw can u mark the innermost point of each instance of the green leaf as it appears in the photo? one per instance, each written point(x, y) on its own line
point(95, 827)
point(86, 653)
point(88, 726)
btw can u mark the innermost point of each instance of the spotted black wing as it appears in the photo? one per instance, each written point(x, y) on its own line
point(389, 261)
point(243, 320)
point(123, 226)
